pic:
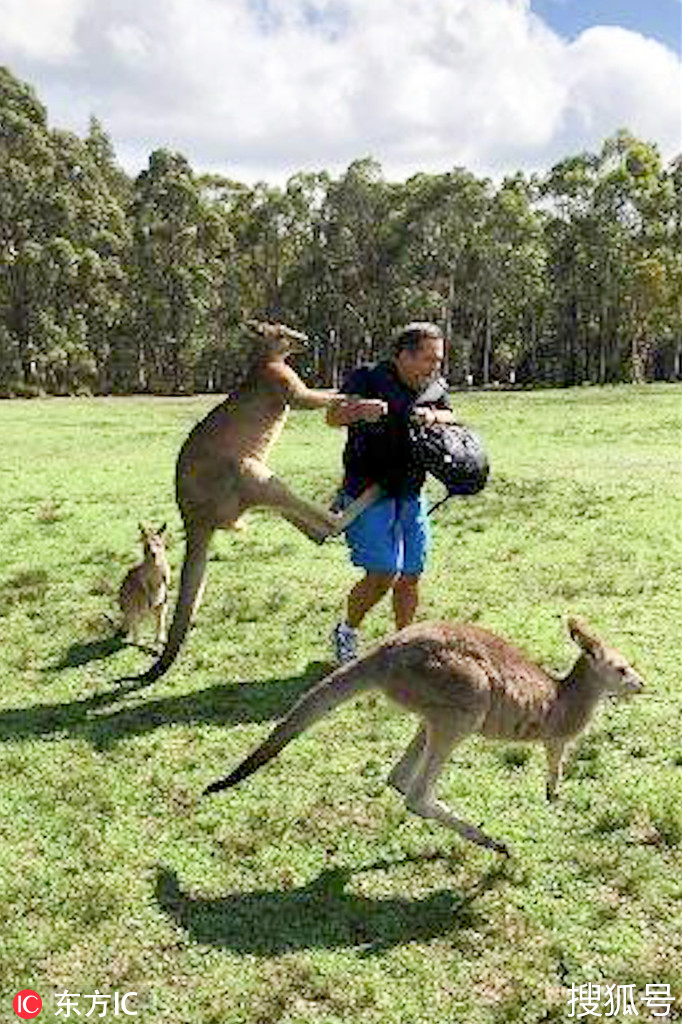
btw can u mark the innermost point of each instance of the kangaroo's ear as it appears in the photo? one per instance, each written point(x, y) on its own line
point(263, 329)
point(583, 636)
point(290, 334)
point(162, 529)
point(143, 529)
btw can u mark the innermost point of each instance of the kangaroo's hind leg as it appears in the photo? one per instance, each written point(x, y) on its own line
point(441, 737)
point(357, 507)
point(556, 749)
point(262, 488)
point(160, 614)
point(130, 628)
point(403, 771)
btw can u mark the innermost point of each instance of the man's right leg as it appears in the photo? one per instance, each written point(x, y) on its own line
point(376, 547)
point(365, 594)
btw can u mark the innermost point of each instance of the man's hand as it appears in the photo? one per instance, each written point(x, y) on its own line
point(353, 409)
point(368, 409)
point(425, 416)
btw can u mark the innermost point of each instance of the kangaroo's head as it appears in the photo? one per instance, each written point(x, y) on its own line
point(277, 341)
point(610, 670)
point(153, 541)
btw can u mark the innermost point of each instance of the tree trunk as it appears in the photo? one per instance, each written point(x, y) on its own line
point(488, 344)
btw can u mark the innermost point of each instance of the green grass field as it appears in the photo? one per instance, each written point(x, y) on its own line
point(309, 895)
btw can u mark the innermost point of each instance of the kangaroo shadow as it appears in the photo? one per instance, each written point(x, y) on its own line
point(321, 914)
point(103, 722)
point(79, 654)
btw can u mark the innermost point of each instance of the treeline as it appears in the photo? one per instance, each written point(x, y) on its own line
point(111, 285)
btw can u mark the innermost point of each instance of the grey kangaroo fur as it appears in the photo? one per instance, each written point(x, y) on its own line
point(461, 679)
point(222, 471)
point(144, 590)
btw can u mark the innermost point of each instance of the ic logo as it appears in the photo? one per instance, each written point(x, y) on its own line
point(27, 1004)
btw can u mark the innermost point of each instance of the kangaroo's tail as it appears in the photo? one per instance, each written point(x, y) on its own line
point(189, 596)
point(331, 691)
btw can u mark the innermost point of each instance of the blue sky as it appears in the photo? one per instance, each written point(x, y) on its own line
point(658, 19)
point(262, 89)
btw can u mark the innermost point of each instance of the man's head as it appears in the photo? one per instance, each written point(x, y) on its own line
point(418, 350)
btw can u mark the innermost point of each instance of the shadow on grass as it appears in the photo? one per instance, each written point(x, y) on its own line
point(82, 654)
point(322, 915)
point(102, 723)
point(78, 655)
point(26, 587)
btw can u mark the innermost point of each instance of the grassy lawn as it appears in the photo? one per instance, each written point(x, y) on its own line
point(309, 896)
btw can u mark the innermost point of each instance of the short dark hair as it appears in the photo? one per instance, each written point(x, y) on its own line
point(410, 337)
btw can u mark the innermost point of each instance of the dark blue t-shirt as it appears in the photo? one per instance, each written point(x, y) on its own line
point(381, 452)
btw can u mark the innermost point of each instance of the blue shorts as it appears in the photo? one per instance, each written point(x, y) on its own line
point(391, 536)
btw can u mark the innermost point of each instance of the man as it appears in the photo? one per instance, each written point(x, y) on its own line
point(390, 540)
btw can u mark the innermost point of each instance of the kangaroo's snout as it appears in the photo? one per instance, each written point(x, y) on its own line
point(634, 683)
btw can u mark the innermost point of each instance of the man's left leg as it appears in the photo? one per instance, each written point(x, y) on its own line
point(405, 600)
point(416, 536)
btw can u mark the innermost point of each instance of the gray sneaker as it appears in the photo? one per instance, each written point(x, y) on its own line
point(345, 640)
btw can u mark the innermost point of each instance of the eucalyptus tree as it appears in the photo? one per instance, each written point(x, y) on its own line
point(609, 258)
point(673, 364)
point(102, 153)
point(272, 231)
point(471, 257)
point(510, 284)
point(26, 168)
point(177, 236)
point(62, 236)
point(257, 221)
point(86, 265)
point(350, 310)
point(434, 239)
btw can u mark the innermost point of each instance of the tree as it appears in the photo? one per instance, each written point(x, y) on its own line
point(62, 234)
point(177, 235)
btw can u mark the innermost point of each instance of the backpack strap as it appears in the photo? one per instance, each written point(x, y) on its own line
point(432, 393)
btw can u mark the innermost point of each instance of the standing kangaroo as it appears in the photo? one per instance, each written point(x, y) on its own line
point(144, 589)
point(461, 679)
point(222, 469)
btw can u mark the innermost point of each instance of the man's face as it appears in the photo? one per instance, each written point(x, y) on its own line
point(417, 368)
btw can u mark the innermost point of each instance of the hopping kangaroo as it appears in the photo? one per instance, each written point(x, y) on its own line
point(222, 470)
point(461, 679)
point(144, 589)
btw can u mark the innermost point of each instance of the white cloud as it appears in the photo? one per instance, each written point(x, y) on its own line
point(269, 87)
point(38, 29)
point(129, 42)
point(619, 74)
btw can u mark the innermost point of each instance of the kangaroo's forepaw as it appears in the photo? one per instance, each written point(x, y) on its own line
point(318, 537)
point(336, 524)
point(323, 533)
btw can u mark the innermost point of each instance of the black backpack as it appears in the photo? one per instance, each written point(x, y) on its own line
point(451, 453)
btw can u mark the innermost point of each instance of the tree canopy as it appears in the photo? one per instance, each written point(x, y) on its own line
point(110, 284)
